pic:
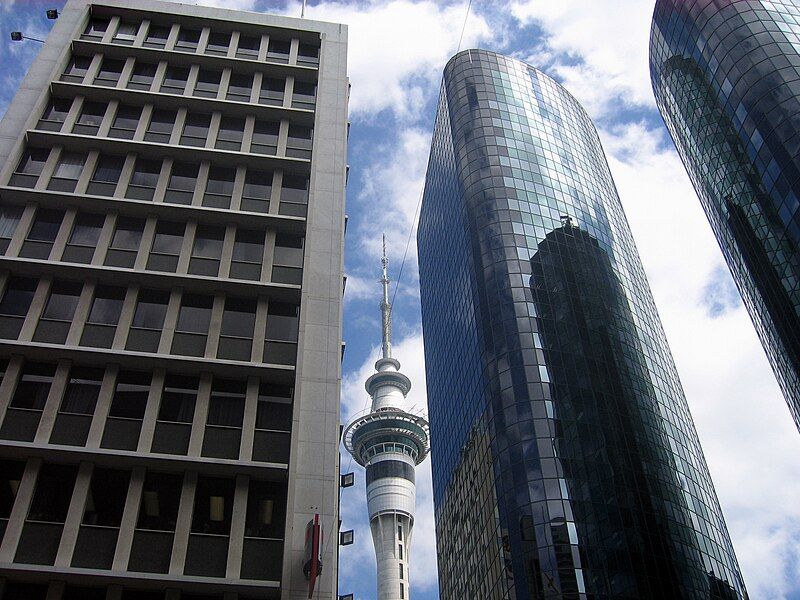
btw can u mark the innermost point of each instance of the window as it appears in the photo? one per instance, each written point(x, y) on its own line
point(144, 179)
point(231, 133)
point(130, 395)
point(182, 182)
point(58, 313)
point(401, 573)
point(142, 76)
point(76, 69)
point(15, 304)
point(238, 325)
point(91, 117)
point(248, 47)
point(148, 321)
point(219, 188)
point(288, 259)
point(207, 85)
point(156, 36)
point(213, 506)
point(191, 331)
point(207, 250)
point(125, 243)
point(281, 334)
point(257, 191)
point(294, 195)
point(304, 95)
point(265, 137)
point(272, 91)
point(161, 498)
point(226, 404)
point(83, 238)
point(30, 167)
point(195, 131)
point(266, 510)
point(175, 80)
point(161, 124)
point(42, 234)
point(68, 170)
point(9, 219)
point(34, 386)
point(308, 54)
point(106, 175)
point(178, 399)
point(187, 40)
point(11, 472)
point(106, 498)
point(110, 71)
point(278, 50)
point(240, 87)
point(103, 317)
point(274, 412)
point(299, 143)
point(53, 493)
point(166, 246)
point(248, 252)
point(82, 391)
point(55, 113)
point(95, 29)
point(218, 43)
point(126, 33)
point(125, 122)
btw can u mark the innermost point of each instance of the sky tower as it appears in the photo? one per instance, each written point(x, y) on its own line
point(389, 441)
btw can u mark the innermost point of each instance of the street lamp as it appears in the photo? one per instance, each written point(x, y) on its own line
point(52, 14)
point(16, 36)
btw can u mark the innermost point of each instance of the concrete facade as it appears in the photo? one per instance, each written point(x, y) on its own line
point(131, 292)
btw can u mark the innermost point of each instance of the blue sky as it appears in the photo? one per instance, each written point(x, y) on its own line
point(598, 50)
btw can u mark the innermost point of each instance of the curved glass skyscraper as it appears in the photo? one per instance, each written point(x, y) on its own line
point(726, 77)
point(565, 464)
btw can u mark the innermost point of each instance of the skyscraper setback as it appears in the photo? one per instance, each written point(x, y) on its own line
point(565, 461)
point(172, 184)
point(725, 80)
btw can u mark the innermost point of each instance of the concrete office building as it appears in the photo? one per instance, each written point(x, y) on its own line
point(565, 464)
point(725, 79)
point(171, 229)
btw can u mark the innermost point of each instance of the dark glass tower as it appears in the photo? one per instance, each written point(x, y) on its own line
point(565, 464)
point(725, 76)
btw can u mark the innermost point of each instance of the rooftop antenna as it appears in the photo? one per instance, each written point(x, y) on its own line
point(303, 9)
point(386, 308)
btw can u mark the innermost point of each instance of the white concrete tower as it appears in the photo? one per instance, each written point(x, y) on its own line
point(390, 442)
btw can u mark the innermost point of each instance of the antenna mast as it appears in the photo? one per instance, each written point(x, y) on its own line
point(386, 308)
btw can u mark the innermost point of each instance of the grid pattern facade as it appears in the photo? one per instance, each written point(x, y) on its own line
point(726, 80)
point(547, 367)
point(172, 177)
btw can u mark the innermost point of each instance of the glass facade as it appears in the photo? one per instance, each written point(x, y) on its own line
point(725, 77)
point(566, 463)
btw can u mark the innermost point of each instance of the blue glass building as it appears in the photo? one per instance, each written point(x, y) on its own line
point(726, 76)
point(565, 461)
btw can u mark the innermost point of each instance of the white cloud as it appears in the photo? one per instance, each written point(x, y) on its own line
point(603, 46)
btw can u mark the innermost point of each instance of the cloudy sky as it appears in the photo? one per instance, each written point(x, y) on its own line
point(598, 50)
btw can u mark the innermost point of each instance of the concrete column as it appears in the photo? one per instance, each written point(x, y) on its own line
point(73, 114)
point(202, 43)
point(191, 81)
point(177, 130)
point(74, 515)
point(104, 241)
point(227, 248)
point(238, 188)
point(186, 248)
point(184, 524)
point(238, 521)
point(144, 121)
point(128, 524)
point(36, 308)
point(170, 321)
point(200, 415)
point(151, 411)
point(234, 44)
point(163, 180)
point(125, 317)
point(158, 78)
point(141, 36)
point(224, 83)
point(9, 383)
point(275, 197)
point(147, 242)
point(249, 127)
point(215, 326)
point(55, 590)
point(294, 48)
point(53, 402)
point(62, 237)
point(111, 30)
point(21, 232)
point(128, 168)
point(288, 92)
point(113, 106)
point(255, 91)
point(202, 182)
point(269, 256)
point(81, 313)
point(48, 168)
point(283, 137)
point(262, 51)
point(19, 511)
point(94, 67)
point(249, 421)
point(172, 37)
point(213, 130)
point(103, 406)
point(257, 353)
point(89, 165)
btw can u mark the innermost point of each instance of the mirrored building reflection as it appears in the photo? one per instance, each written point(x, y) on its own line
point(725, 80)
point(548, 371)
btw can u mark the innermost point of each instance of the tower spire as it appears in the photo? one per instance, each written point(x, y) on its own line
point(386, 308)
